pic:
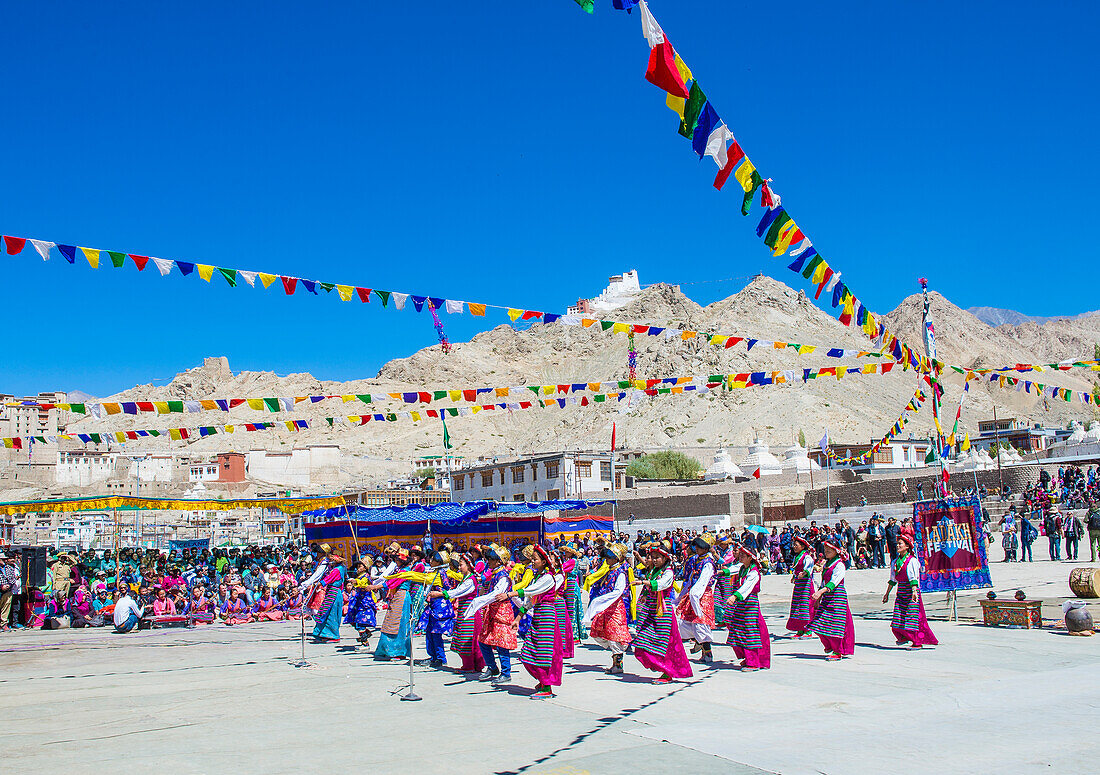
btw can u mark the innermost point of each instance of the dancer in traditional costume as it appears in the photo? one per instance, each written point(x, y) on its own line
point(521, 575)
point(464, 637)
point(657, 644)
point(832, 621)
point(909, 623)
point(235, 610)
point(606, 616)
point(362, 611)
point(696, 603)
point(498, 633)
point(438, 618)
point(748, 631)
point(294, 606)
point(802, 577)
point(326, 620)
point(542, 654)
point(567, 573)
point(395, 640)
point(724, 571)
point(574, 605)
point(199, 607)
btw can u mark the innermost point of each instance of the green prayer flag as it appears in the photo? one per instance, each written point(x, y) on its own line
point(384, 296)
point(329, 420)
point(696, 100)
point(78, 408)
point(175, 406)
point(811, 267)
point(326, 287)
point(446, 434)
point(606, 324)
point(599, 398)
point(95, 437)
point(534, 388)
point(780, 221)
point(452, 411)
point(118, 259)
point(931, 456)
point(439, 394)
point(154, 433)
point(624, 383)
point(755, 183)
point(272, 404)
point(364, 397)
point(391, 417)
point(230, 276)
point(587, 5)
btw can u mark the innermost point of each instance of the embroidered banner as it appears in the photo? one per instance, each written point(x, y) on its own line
point(951, 545)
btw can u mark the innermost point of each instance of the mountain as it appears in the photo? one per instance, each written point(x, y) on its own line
point(856, 408)
point(995, 316)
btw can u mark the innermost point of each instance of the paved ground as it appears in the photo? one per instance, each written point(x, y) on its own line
point(224, 699)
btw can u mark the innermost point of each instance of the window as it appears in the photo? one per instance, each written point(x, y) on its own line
point(884, 455)
point(517, 498)
point(552, 470)
point(605, 470)
point(460, 481)
point(486, 478)
point(517, 474)
point(553, 495)
point(534, 472)
point(584, 468)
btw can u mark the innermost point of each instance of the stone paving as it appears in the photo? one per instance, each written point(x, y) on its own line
point(219, 699)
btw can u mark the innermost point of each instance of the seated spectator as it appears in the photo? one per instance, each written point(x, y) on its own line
point(127, 613)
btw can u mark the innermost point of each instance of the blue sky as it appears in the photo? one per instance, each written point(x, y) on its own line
point(513, 153)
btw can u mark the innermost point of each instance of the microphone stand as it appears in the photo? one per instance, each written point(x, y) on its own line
point(412, 696)
point(302, 620)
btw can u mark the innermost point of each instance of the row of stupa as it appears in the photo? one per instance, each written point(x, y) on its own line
point(794, 460)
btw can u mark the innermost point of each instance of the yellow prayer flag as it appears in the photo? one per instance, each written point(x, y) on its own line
point(454, 395)
point(255, 403)
point(268, 279)
point(744, 175)
point(205, 271)
point(229, 428)
point(819, 274)
point(289, 424)
point(783, 241)
point(9, 443)
point(718, 339)
point(161, 407)
point(112, 408)
point(870, 368)
point(92, 255)
point(475, 409)
point(966, 443)
point(120, 436)
point(683, 69)
point(174, 434)
point(620, 328)
point(345, 292)
point(676, 104)
point(347, 398)
point(477, 309)
point(514, 314)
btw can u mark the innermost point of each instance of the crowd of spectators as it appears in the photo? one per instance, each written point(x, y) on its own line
point(1048, 510)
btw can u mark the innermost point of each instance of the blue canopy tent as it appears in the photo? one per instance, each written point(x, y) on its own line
point(356, 530)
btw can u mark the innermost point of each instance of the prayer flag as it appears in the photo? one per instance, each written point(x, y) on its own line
point(734, 155)
point(708, 120)
point(93, 257)
point(651, 30)
point(662, 71)
point(14, 245)
point(695, 102)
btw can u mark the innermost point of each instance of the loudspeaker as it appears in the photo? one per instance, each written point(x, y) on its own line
point(34, 566)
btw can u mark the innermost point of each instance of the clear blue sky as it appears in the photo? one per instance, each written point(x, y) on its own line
point(512, 152)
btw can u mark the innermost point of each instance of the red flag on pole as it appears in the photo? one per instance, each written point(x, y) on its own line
point(756, 474)
point(612, 437)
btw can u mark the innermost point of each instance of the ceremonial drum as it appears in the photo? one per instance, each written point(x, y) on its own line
point(1085, 582)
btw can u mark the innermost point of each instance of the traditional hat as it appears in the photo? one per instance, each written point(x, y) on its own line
point(660, 549)
point(570, 549)
point(547, 558)
point(325, 549)
point(498, 553)
point(393, 547)
point(703, 542)
point(616, 551)
point(441, 557)
point(837, 548)
point(801, 539)
point(528, 552)
point(908, 539)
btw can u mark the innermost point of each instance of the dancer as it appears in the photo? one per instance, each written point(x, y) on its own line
point(438, 618)
point(326, 620)
point(696, 603)
point(725, 571)
point(748, 631)
point(832, 621)
point(395, 640)
point(199, 606)
point(802, 576)
point(362, 608)
point(464, 637)
point(574, 605)
point(498, 634)
point(567, 576)
point(909, 623)
point(657, 644)
point(542, 654)
point(606, 616)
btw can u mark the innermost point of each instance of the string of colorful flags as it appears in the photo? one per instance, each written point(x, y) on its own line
point(1042, 390)
point(346, 292)
point(714, 382)
point(1092, 365)
point(100, 410)
point(710, 136)
point(913, 406)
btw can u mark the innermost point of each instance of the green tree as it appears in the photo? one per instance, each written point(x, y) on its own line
point(664, 465)
point(801, 438)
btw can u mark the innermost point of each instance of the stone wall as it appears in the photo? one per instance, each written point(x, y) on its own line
point(679, 505)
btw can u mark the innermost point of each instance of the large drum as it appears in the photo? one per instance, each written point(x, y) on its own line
point(1085, 582)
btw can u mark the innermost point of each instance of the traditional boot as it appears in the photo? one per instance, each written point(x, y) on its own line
point(616, 665)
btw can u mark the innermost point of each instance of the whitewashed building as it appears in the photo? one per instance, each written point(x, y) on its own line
point(564, 475)
point(83, 468)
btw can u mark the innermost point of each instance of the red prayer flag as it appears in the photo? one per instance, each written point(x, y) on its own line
point(734, 155)
point(364, 294)
point(662, 70)
point(612, 437)
point(424, 397)
point(824, 282)
point(288, 284)
point(531, 315)
point(140, 261)
point(145, 406)
point(756, 474)
point(14, 245)
point(469, 395)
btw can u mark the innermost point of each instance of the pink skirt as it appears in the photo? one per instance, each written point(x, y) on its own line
point(271, 615)
point(923, 635)
point(674, 662)
point(761, 657)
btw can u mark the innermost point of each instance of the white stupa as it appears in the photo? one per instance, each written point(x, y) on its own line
point(1015, 456)
point(760, 457)
point(984, 461)
point(965, 462)
point(796, 459)
point(1093, 433)
point(723, 467)
point(1078, 436)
